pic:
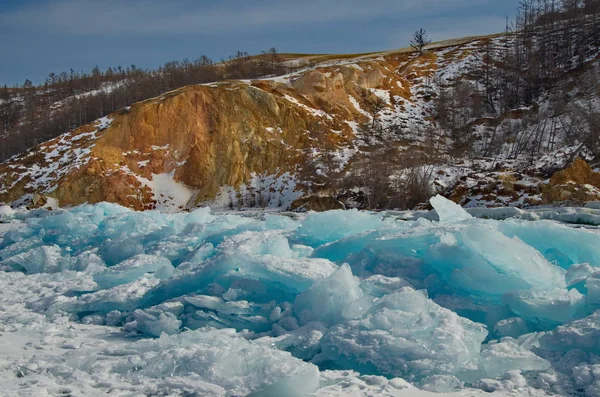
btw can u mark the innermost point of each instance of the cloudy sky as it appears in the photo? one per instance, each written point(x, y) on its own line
point(41, 36)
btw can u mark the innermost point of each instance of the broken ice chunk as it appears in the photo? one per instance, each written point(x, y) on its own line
point(155, 322)
point(577, 274)
point(325, 227)
point(486, 263)
point(560, 244)
point(441, 383)
point(325, 300)
point(581, 334)
point(205, 301)
point(592, 285)
point(132, 269)
point(448, 211)
point(6, 213)
point(200, 215)
point(378, 285)
point(497, 358)
point(302, 342)
point(44, 259)
point(558, 305)
point(125, 297)
point(404, 334)
point(513, 257)
point(214, 359)
point(513, 327)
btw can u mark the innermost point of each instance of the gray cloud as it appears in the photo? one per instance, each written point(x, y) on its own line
point(443, 28)
point(112, 17)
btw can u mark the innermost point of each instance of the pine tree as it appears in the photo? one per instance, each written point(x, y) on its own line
point(419, 41)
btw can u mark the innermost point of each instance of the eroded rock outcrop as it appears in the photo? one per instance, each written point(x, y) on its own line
point(203, 137)
point(577, 184)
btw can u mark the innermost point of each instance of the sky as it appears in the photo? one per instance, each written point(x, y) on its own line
point(42, 36)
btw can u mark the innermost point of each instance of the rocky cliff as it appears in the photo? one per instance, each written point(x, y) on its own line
point(196, 140)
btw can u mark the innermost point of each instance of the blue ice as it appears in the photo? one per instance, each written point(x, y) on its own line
point(435, 302)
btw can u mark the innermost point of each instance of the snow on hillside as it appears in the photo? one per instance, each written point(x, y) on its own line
point(275, 192)
point(100, 299)
point(105, 88)
point(63, 154)
point(169, 195)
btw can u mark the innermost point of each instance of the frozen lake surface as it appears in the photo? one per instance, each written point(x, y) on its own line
point(99, 300)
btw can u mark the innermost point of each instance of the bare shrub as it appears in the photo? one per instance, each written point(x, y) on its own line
point(387, 179)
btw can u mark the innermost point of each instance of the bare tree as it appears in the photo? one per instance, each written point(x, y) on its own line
point(270, 63)
point(420, 40)
point(33, 118)
point(390, 179)
point(585, 116)
point(4, 93)
point(374, 103)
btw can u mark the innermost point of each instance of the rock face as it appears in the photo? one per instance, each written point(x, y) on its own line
point(578, 184)
point(202, 137)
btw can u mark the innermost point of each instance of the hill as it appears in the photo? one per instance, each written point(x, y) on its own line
point(472, 118)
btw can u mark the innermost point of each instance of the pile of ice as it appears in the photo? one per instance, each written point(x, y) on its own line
point(277, 305)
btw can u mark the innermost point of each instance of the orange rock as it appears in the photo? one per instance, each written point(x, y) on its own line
point(578, 183)
point(579, 172)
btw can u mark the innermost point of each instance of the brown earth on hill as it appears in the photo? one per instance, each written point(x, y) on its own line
point(206, 136)
point(576, 184)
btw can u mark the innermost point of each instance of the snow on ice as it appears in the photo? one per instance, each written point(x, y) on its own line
point(99, 299)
